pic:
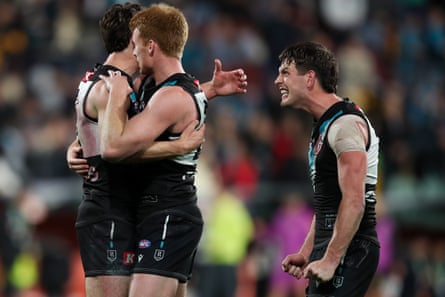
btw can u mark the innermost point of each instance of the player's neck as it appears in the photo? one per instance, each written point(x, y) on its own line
point(121, 61)
point(165, 68)
point(321, 103)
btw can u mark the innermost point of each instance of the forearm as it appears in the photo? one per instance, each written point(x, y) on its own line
point(112, 129)
point(189, 140)
point(351, 179)
point(308, 243)
point(159, 150)
point(347, 223)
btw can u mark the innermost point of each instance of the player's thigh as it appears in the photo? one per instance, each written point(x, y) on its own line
point(147, 285)
point(182, 290)
point(107, 286)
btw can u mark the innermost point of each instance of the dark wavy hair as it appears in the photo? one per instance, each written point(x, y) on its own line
point(313, 56)
point(114, 28)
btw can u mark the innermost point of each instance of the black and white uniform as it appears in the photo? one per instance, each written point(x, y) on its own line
point(169, 222)
point(106, 215)
point(357, 268)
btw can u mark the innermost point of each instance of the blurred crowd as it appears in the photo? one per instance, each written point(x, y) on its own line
point(254, 189)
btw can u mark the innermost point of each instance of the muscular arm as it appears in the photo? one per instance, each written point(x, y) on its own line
point(352, 171)
point(122, 138)
point(190, 139)
point(348, 140)
point(114, 145)
point(223, 83)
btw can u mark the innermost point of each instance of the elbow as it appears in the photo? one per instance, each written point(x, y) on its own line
point(110, 154)
point(358, 206)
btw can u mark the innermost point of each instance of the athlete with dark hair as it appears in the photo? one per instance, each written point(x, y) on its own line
point(341, 251)
point(169, 222)
point(106, 217)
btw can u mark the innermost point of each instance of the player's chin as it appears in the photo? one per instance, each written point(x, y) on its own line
point(284, 100)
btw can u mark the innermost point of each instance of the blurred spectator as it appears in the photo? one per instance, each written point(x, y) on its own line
point(10, 187)
point(288, 229)
point(228, 231)
point(438, 262)
point(358, 74)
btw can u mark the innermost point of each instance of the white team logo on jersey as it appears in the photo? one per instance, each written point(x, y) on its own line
point(140, 257)
point(337, 281)
point(93, 175)
point(111, 255)
point(318, 144)
point(159, 254)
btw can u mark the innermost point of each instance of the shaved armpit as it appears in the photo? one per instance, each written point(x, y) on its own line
point(347, 134)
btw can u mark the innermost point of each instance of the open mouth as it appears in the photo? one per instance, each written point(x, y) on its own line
point(284, 93)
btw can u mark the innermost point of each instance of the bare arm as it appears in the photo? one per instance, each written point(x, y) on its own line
point(114, 117)
point(225, 83)
point(349, 144)
point(348, 141)
point(190, 139)
point(122, 138)
point(352, 171)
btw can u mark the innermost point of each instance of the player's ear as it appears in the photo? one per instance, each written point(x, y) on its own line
point(151, 46)
point(311, 77)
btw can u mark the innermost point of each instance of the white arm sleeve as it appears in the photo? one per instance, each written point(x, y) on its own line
point(348, 133)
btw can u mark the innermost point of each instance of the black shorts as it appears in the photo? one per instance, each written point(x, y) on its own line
point(353, 277)
point(107, 247)
point(105, 228)
point(167, 242)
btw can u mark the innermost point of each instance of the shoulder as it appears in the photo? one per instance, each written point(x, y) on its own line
point(349, 125)
point(98, 96)
point(348, 133)
point(170, 95)
point(348, 120)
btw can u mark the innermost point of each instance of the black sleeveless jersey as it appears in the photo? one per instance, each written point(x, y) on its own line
point(106, 179)
point(324, 174)
point(171, 180)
